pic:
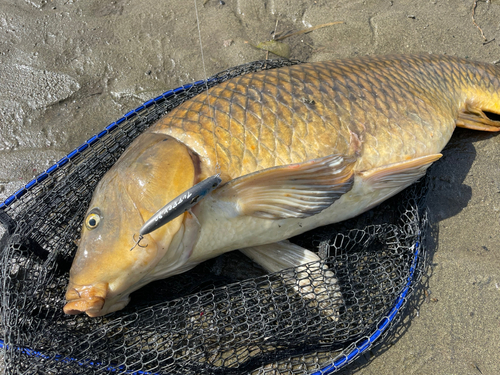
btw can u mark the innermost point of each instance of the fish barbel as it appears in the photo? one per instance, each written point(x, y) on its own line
point(296, 148)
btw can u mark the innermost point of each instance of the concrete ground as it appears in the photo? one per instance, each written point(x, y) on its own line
point(68, 68)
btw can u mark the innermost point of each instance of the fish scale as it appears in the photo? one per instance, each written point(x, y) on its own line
point(278, 129)
point(370, 97)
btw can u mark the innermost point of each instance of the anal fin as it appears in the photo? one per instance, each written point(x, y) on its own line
point(304, 271)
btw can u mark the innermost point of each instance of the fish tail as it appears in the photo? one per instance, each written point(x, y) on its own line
point(481, 108)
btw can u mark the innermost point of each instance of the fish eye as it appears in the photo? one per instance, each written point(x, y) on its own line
point(92, 220)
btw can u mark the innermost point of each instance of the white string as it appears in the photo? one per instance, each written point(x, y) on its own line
point(217, 166)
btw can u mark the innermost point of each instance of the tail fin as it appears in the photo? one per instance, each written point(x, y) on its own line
point(473, 117)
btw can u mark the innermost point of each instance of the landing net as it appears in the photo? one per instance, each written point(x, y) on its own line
point(226, 316)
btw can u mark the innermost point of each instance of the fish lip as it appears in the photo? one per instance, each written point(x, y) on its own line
point(95, 306)
point(89, 299)
point(92, 306)
point(93, 300)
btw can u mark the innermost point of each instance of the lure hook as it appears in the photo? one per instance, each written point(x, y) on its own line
point(137, 243)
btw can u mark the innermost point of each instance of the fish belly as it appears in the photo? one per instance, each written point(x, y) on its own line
point(223, 233)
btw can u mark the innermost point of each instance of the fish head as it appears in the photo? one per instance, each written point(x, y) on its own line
point(111, 262)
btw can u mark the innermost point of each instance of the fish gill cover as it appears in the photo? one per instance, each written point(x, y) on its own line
point(226, 316)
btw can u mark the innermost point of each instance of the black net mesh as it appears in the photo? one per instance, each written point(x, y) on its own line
point(227, 316)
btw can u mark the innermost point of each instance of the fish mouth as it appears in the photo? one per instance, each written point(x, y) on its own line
point(93, 300)
point(87, 299)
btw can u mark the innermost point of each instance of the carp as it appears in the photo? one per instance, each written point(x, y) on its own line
point(296, 148)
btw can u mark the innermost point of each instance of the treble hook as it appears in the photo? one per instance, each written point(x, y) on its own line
point(137, 243)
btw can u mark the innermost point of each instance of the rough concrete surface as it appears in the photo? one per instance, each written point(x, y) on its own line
point(68, 68)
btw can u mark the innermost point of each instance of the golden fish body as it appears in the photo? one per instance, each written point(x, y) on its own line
point(297, 147)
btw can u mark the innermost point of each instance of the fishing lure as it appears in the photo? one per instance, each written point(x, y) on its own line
point(178, 206)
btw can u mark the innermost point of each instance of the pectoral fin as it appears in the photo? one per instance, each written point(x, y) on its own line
point(310, 278)
point(291, 191)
